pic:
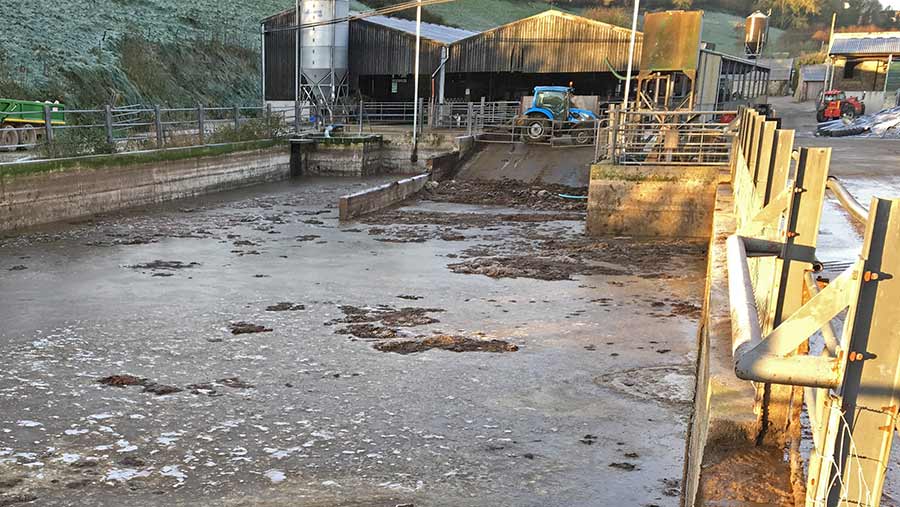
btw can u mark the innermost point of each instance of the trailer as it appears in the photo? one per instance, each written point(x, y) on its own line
point(23, 122)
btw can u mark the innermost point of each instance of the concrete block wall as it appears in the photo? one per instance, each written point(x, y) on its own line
point(652, 201)
point(91, 185)
point(378, 198)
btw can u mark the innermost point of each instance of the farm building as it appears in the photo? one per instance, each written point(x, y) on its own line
point(376, 61)
point(810, 82)
point(866, 64)
point(506, 62)
point(781, 71)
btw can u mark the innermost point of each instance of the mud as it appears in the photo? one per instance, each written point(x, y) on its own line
point(305, 418)
point(286, 307)
point(388, 315)
point(368, 332)
point(548, 268)
point(509, 193)
point(446, 342)
point(238, 328)
point(164, 265)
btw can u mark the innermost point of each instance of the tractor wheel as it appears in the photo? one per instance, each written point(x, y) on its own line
point(820, 116)
point(9, 138)
point(583, 136)
point(28, 137)
point(848, 112)
point(536, 130)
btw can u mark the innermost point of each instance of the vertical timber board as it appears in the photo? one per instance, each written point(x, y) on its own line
point(870, 390)
point(781, 163)
point(755, 141)
point(764, 156)
point(800, 238)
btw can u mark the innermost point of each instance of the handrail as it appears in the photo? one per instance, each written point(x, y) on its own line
point(849, 203)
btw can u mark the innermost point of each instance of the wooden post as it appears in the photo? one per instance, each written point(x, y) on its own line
point(237, 117)
point(269, 120)
point(470, 111)
point(858, 443)
point(362, 108)
point(109, 124)
point(201, 123)
point(157, 122)
point(48, 124)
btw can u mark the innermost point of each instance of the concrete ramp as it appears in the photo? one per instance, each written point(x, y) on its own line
point(532, 163)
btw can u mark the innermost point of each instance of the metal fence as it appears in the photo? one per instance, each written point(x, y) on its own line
point(668, 137)
point(835, 341)
point(130, 128)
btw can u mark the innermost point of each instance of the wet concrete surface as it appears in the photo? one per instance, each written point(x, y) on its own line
point(587, 405)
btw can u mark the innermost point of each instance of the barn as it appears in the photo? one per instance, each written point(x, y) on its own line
point(503, 63)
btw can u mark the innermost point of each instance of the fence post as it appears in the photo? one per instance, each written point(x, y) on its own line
point(361, 110)
point(862, 418)
point(237, 117)
point(613, 132)
point(157, 121)
point(48, 124)
point(483, 107)
point(296, 116)
point(268, 115)
point(109, 123)
point(421, 106)
point(201, 124)
point(469, 112)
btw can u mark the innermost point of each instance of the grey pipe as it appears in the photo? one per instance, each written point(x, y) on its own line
point(854, 207)
point(752, 359)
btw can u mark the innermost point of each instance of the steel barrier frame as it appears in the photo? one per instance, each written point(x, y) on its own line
point(851, 385)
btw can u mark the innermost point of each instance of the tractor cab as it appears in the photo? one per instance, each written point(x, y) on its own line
point(552, 114)
point(556, 103)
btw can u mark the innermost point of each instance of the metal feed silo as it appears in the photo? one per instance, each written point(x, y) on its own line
point(324, 46)
point(756, 31)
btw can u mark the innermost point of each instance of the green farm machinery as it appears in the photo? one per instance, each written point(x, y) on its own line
point(23, 122)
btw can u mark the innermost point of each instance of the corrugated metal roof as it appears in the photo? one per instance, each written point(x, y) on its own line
point(813, 72)
point(875, 43)
point(438, 33)
point(779, 68)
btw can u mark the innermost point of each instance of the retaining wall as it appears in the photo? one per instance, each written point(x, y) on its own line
point(652, 201)
point(44, 192)
point(725, 464)
point(378, 198)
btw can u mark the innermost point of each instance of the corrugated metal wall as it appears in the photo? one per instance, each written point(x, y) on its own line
point(552, 42)
point(379, 50)
point(280, 59)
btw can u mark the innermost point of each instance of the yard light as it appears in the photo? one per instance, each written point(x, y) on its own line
point(634, 20)
point(415, 152)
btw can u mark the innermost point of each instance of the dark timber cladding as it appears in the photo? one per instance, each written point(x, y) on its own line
point(550, 42)
point(280, 60)
point(376, 49)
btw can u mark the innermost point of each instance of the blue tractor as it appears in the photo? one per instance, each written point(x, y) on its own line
point(552, 115)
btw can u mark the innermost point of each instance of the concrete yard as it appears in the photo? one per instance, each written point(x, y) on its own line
point(590, 410)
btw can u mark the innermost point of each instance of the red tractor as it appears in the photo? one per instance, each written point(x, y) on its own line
point(835, 105)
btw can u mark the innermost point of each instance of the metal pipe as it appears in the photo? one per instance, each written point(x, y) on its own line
point(746, 335)
point(854, 207)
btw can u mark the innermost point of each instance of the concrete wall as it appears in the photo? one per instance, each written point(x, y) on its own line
point(724, 462)
point(652, 201)
point(445, 166)
point(44, 192)
point(369, 155)
point(378, 198)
